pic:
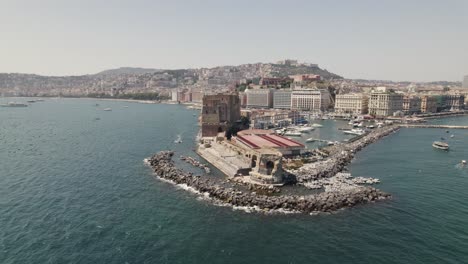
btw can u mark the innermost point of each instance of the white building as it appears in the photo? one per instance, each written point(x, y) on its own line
point(259, 98)
point(385, 103)
point(310, 99)
point(282, 99)
point(174, 95)
point(356, 104)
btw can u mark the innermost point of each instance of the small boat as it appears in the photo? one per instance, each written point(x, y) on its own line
point(311, 140)
point(178, 140)
point(31, 101)
point(452, 136)
point(447, 131)
point(371, 126)
point(440, 145)
point(125, 106)
point(463, 162)
point(293, 133)
point(316, 125)
point(360, 124)
point(13, 104)
point(442, 138)
point(305, 129)
point(355, 131)
point(107, 109)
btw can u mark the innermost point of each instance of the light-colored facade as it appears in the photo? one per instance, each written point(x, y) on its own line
point(310, 100)
point(411, 105)
point(428, 104)
point(174, 95)
point(385, 103)
point(356, 104)
point(282, 99)
point(259, 98)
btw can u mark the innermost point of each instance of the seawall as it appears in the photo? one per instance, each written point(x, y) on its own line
point(164, 167)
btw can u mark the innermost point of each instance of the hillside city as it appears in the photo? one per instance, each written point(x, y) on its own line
point(274, 92)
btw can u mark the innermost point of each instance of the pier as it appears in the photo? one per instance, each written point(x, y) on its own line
point(433, 126)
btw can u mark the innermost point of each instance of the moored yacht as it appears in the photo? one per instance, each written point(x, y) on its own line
point(293, 133)
point(305, 129)
point(355, 131)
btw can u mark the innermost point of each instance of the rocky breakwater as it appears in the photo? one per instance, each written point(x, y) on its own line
point(164, 167)
point(339, 156)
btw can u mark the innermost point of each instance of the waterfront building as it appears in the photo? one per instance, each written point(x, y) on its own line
point(282, 99)
point(218, 112)
point(265, 119)
point(356, 104)
point(174, 94)
point(385, 103)
point(411, 105)
point(457, 102)
point(197, 95)
point(259, 98)
point(465, 82)
point(450, 102)
point(428, 104)
point(265, 151)
point(310, 100)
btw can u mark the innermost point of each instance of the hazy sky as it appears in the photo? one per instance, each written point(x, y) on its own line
point(392, 40)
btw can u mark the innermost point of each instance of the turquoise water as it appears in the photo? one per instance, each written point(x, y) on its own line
point(74, 189)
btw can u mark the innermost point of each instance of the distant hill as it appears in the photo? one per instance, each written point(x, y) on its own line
point(280, 70)
point(127, 70)
point(126, 80)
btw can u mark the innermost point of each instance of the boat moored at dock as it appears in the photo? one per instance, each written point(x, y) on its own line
point(355, 131)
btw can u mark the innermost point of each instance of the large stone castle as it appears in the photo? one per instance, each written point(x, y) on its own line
point(218, 112)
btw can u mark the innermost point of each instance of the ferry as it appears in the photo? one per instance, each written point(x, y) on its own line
point(355, 131)
point(13, 104)
point(440, 145)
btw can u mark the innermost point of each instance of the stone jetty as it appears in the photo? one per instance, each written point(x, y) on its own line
point(327, 201)
point(338, 157)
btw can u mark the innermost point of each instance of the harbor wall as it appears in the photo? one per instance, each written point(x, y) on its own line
point(164, 167)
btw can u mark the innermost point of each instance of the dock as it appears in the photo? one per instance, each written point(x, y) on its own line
point(432, 126)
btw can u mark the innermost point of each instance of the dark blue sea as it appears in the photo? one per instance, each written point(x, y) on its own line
point(74, 189)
